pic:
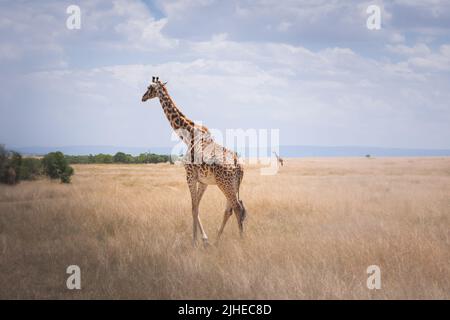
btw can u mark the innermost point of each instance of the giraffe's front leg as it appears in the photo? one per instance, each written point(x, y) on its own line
point(201, 190)
point(192, 183)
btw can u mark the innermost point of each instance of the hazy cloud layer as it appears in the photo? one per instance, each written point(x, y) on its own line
point(310, 68)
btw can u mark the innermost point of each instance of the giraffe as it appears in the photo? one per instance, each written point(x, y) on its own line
point(206, 162)
point(280, 160)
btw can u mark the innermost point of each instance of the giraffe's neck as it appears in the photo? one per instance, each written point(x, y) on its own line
point(183, 126)
point(196, 137)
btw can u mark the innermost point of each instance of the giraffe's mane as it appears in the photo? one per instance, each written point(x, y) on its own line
point(177, 110)
point(181, 114)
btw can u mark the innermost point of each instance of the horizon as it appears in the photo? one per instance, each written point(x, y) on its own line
point(293, 151)
point(170, 146)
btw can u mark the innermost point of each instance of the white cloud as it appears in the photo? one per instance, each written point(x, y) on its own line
point(420, 56)
point(9, 52)
point(145, 34)
point(284, 26)
point(418, 49)
point(396, 37)
point(37, 33)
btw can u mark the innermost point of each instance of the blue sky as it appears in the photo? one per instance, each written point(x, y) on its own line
point(309, 68)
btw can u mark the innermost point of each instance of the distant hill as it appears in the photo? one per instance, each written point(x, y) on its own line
point(357, 151)
point(284, 151)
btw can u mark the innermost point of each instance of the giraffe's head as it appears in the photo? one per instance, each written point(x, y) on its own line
point(152, 90)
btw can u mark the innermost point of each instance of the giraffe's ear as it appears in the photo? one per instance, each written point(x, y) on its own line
point(164, 83)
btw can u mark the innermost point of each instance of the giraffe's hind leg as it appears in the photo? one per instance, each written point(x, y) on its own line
point(230, 192)
point(226, 215)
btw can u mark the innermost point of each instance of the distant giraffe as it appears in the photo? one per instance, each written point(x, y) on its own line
point(206, 162)
point(280, 160)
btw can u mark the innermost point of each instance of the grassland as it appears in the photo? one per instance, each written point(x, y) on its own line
point(312, 231)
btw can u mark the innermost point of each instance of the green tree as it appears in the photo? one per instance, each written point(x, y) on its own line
point(130, 158)
point(30, 169)
point(4, 164)
point(103, 158)
point(108, 158)
point(142, 158)
point(16, 162)
point(120, 157)
point(56, 166)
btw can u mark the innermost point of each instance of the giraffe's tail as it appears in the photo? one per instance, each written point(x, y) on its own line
point(243, 211)
point(243, 214)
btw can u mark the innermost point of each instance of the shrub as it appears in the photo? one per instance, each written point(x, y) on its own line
point(65, 176)
point(77, 159)
point(10, 165)
point(30, 169)
point(103, 158)
point(3, 162)
point(56, 166)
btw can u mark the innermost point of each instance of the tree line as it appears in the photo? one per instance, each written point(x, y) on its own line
point(56, 165)
point(119, 157)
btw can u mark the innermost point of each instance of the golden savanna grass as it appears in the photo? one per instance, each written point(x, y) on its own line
point(312, 231)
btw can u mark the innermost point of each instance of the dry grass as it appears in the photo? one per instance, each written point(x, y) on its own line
point(311, 233)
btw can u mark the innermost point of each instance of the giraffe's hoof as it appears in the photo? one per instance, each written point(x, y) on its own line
point(205, 243)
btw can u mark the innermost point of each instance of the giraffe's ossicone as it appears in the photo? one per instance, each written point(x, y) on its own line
point(206, 162)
